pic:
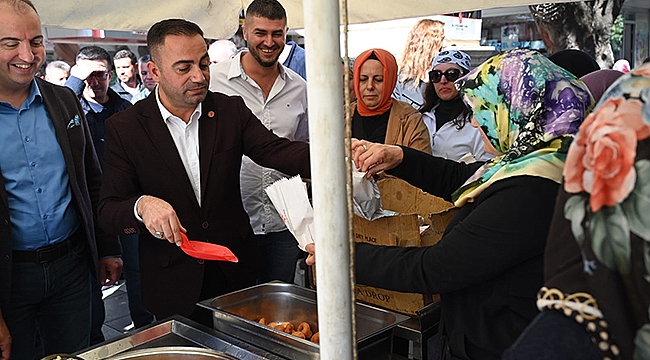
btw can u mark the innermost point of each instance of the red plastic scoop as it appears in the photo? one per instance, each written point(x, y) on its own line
point(206, 251)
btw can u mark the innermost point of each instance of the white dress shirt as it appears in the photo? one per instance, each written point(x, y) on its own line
point(284, 112)
point(186, 138)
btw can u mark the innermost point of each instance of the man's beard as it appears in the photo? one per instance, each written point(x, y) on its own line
point(256, 55)
point(125, 79)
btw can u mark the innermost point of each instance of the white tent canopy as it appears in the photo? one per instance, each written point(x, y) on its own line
point(219, 18)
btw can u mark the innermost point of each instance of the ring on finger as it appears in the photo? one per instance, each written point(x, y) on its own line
point(159, 235)
point(365, 147)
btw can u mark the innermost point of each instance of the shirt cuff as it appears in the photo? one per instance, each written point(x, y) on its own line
point(77, 85)
point(135, 209)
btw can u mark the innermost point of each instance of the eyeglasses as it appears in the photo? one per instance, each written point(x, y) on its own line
point(451, 75)
point(99, 75)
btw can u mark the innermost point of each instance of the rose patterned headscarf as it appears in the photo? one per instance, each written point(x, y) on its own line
point(390, 80)
point(528, 108)
point(597, 261)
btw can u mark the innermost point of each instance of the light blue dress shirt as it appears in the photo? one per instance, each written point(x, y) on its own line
point(35, 175)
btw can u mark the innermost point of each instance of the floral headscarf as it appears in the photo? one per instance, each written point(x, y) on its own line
point(528, 108)
point(390, 80)
point(598, 252)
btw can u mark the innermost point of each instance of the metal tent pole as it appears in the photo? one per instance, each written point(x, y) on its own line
point(326, 127)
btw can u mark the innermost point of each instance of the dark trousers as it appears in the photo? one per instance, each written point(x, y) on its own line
point(551, 336)
point(97, 311)
point(53, 297)
point(281, 252)
point(214, 284)
point(131, 270)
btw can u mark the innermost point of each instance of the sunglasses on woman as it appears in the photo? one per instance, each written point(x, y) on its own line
point(451, 75)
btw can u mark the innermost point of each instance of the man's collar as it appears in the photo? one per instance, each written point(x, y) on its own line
point(34, 94)
point(166, 114)
point(236, 69)
point(283, 74)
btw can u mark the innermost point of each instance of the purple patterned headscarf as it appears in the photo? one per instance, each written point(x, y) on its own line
point(528, 108)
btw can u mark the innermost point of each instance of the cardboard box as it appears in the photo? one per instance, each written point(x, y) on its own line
point(402, 230)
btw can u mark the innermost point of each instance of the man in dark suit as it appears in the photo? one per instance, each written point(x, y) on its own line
point(49, 190)
point(89, 79)
point(172, 165)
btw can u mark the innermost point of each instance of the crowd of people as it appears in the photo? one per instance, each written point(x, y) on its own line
point(100, 181)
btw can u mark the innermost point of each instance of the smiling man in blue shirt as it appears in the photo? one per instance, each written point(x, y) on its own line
point(48, 195)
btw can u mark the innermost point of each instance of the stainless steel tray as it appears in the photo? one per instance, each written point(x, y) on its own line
point(174, 353)
point(237, 314)
point(175, 331)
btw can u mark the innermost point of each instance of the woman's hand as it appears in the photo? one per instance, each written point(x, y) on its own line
point(372, 158)
point(311, 258)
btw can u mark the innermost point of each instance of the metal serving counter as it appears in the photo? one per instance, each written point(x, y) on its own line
point(238, 313)
point(175, 332)
point(410, 337)
point(238, 334)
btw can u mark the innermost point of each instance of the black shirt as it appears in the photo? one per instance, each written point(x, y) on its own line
point(370, 128)
point(488, 266)
point(97, 114)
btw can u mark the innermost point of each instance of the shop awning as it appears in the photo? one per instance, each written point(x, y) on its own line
point(219, 18)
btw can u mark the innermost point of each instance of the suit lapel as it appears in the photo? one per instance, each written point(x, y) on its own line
point(207, 139)
point(159, 134)
point(60, 122)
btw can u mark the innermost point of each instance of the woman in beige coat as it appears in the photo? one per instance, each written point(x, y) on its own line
point(377, 117)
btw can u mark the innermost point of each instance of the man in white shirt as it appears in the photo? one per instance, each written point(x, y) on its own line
point(126, 68)
point(172, 166)
point(278, 97)
point(57, 72)
point(147, 79)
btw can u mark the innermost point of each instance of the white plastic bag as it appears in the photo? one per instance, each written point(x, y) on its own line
point(367, 199)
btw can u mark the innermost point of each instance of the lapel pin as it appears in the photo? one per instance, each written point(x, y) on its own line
point(210, 113)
